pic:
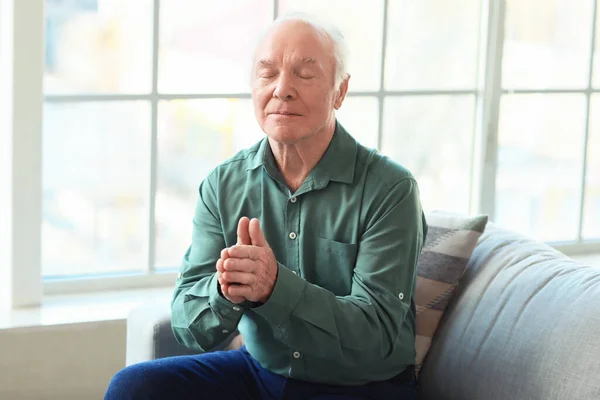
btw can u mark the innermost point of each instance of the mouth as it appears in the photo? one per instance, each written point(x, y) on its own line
point(285, 114)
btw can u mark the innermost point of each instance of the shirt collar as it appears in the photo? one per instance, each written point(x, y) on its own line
point(337, 163)
point(263, 156)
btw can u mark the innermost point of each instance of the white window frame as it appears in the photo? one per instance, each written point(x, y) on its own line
point(21, 28)
point(21, 74)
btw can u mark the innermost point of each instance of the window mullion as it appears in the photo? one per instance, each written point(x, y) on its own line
point(587, 126)
point(151, 265)
point(491, 107)
point(475, 165)
point(381, 94)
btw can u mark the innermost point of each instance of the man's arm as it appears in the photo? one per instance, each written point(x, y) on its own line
point(201, 317)
point(365, 325)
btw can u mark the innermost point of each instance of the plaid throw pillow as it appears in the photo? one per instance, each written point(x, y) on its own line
point(450, 242)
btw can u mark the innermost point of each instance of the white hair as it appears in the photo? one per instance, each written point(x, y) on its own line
point(341, 52)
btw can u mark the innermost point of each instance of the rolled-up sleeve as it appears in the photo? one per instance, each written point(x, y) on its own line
point(201, 317)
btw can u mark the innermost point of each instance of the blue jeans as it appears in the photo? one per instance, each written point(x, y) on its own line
point(234, 374)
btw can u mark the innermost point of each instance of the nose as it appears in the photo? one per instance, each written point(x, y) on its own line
point(284, 89)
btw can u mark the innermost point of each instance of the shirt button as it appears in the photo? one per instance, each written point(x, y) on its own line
point(296, 354)
point(179, 275)
point(236, 308)
point(295, 273)
point(293, 199)
point(401, 296)
point(292, 235)
point(225, 331)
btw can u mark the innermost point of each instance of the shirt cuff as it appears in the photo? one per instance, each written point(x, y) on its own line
point(220, 305)
point(289, 289)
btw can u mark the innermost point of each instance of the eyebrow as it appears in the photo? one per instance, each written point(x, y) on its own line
point(265, 63)
point(308, 60)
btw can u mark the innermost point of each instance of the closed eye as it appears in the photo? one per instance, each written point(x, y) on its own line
point(305, 73)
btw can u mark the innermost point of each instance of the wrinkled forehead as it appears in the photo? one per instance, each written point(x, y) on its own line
point(294, 41)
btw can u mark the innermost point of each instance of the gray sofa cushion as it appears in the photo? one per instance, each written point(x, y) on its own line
point(524, 324)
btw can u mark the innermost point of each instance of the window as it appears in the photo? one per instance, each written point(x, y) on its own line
point(144, 97)
point(546, 186)
point(97, 136)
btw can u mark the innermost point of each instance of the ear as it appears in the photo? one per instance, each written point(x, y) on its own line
point(341, 95)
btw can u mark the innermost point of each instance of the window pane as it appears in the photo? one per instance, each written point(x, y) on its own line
point(360, 115)
point(547, 44)
point(432, 136)
point(432, 44)
point(98, 46)
point(361, 23)
point(206, 46)
point(540, 153)
point(591, 218)
point(95, 182)
point(193, 138)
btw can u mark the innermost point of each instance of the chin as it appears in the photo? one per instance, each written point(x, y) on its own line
point(288, 134)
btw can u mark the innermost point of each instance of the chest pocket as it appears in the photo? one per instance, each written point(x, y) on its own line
point(335, 265)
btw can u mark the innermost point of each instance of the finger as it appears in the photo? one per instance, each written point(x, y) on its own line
point(239, 264)
point(243, 236)
point(244, 291)
point(257, 237)
point(245, 251)
point(224, 254)
point(220, 265)
point(243, 278)
point(225, 290)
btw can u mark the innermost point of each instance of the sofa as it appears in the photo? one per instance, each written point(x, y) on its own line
point(522, 324)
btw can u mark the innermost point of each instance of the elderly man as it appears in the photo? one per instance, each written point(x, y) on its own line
point(306, 243)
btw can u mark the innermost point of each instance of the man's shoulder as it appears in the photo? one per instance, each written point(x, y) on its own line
point(243, 158)
point(380, 169)
point(239, 163)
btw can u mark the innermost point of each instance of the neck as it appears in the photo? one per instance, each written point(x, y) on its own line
point(295, 161)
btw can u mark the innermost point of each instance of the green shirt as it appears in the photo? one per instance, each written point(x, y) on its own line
point(347, 242)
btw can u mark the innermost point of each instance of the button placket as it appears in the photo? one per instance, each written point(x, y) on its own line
point(292, 226)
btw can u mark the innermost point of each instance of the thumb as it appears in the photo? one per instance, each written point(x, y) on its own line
point(256, 234)
point(242, 231)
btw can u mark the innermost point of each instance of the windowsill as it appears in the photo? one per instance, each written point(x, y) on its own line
point(113, 305)
point(588, 259)
point(82, 308)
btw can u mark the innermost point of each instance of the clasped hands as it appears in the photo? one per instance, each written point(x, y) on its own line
point(248, 270)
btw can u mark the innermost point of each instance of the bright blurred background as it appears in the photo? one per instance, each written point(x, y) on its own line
point(140, 107)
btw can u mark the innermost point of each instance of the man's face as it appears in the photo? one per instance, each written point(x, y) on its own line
point(293, 88)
